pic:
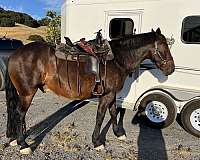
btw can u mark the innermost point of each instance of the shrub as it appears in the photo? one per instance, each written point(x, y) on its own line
point(36, 38)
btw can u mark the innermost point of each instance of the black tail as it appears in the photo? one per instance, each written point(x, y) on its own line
point(12, 101)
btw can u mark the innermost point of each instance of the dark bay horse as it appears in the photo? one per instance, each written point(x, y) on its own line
point(34, 66)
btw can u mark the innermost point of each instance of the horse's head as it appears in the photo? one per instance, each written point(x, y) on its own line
point(161, 55)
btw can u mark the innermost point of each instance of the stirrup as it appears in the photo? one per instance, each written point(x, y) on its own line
point(95, 91)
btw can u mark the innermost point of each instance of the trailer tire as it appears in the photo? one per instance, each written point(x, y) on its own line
point(190, 117)
point(2, 74)
point(158, 110)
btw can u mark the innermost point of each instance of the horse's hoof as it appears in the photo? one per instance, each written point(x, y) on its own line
point(13, 143)
point(31, 142)
point(122, 138)
point(26, 151)
point(99, 148)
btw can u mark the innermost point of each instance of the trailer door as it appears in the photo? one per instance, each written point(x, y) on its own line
point(119, 24)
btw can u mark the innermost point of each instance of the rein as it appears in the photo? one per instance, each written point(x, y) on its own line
point(157, 54)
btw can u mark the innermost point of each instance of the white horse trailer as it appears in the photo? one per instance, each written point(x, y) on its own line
point(160, 97)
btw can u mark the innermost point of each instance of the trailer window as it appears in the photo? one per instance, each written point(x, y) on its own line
point(191, 29)
point(120, 27)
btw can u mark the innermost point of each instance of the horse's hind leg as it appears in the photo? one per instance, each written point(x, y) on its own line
point(20, 121)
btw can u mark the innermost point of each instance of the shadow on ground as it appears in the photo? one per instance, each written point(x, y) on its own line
point(151, 144)
point(39, 131)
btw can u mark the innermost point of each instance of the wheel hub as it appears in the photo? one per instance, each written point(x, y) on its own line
point(156, 111)
point(195, 119)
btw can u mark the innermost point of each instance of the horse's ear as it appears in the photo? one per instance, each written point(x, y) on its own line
point(152, 30)
point(158, 31)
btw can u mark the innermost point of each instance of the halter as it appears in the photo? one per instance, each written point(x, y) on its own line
point(157, 53)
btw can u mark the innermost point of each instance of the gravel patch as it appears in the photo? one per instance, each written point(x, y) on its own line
point(61, 129)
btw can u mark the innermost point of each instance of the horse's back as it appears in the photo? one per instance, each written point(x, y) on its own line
point(34, 49)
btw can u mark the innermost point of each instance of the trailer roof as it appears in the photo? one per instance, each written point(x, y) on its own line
point(82, 2)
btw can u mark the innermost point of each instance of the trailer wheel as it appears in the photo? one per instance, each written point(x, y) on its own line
point(190, 117)
point(158, 110)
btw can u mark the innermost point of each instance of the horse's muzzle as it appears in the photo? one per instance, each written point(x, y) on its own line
point(169, 68)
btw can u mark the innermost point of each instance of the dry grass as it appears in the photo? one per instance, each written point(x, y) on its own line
point(22, 32)
point(63, 139)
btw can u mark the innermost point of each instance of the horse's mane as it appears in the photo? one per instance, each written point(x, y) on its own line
point(133, 41)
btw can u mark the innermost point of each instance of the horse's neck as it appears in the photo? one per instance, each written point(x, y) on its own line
point(131, 59)
point(131, 51)
point(142, 53)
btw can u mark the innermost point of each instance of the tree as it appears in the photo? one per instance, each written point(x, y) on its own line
point(54, 28)
point(31, 23)
point(44, 21)
point(6, 22)
point(51, 14)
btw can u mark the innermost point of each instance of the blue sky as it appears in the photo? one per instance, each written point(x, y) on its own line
point(36, 8)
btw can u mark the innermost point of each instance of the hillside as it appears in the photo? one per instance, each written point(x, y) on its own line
point(8, 18)
point(22, 32)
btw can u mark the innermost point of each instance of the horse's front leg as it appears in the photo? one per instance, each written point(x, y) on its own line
point(117, 127)
point(104, 102)
point(121, 129)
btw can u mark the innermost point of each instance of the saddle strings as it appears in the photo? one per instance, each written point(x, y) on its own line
point(58, 72)
point(68, 82)
point(77, 75)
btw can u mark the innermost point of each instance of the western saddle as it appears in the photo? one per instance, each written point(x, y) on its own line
point(96, 51)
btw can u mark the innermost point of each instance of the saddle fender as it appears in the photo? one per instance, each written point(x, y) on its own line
point(95, 67)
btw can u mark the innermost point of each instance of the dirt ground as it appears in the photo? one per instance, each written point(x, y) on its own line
point(60, 129)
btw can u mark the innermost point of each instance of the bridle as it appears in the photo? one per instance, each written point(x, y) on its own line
point(156, 53)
